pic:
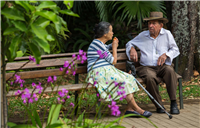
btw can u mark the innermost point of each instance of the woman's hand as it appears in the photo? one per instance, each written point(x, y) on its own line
point(115, 43)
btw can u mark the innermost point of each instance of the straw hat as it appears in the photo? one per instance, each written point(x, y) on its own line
point(156, 16)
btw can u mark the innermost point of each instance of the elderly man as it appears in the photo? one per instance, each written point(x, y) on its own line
point(158, 49)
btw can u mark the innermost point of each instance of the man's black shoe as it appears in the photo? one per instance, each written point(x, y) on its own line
point(160, 110)
point(174, 109)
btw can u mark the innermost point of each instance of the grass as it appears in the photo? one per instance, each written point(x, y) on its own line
point(191, 90)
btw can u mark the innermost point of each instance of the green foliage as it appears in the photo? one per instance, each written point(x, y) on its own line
point(127, 10)
point(33, 27)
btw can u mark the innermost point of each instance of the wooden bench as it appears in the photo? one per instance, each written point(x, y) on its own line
point(57, 60)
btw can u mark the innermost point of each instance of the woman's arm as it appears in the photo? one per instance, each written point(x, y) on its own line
point(114, 47)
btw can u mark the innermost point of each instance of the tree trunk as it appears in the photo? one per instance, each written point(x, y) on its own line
point(3, 103)
point(197, 44)
point(184, 20)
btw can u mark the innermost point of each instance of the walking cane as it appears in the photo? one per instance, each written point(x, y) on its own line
point(130, 66)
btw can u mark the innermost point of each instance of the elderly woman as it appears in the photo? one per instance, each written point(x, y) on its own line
point(110, 81)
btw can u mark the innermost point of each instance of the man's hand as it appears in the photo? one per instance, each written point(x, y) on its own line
point(161, 59)
point(133, 55)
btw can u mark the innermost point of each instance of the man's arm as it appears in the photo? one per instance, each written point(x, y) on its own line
point(173, 51)
point(130, 49)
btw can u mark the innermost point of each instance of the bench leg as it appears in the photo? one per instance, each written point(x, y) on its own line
point(99, 112)
point(180, 93)
point(76, 96)
point(76, 103)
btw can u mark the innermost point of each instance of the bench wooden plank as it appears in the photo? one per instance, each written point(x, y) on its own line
point(43, 64)
point(72, 87)
point(58, 55)
point(56, 72)
point(50, 63)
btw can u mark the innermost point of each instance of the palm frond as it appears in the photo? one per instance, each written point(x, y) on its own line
point(138, 10)
point(105, 9)
point(80, 5)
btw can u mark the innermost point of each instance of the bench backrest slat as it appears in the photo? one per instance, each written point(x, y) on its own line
point(51, 63)
point(56, 72)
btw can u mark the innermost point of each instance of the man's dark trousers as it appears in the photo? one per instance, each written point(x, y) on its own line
point(152, 75)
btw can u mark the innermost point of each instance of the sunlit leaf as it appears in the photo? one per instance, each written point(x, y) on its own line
point(23, 4)
point(43, 44)
point(69, 4)
point(20, 53)
point(10, 124)
point(12, 13)
point(69, 12)
point(39, 31)
point(46, 4)
point(20, 25)
point(53, 114)
point(47, 14)
point(32, 1)
point(43, 22)
point(50, 38)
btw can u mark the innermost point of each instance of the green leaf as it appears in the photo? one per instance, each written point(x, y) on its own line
point(53, 114)
point(14, 46)
point(10, 30)
point(76, 43)
point(36, 52)
point(83, 44)
point(10, 124)
point(117, 126)
point(39, 31)
point(20, 53)
point(43, 44)
point(84, 33)
point(20, 25)
point(12, 13)
point(24, 126)
point(43, 22)
point(69, 4)
point(23, 4)
point(47, 14)
point(58, 26)
point(32, 1)
point(32, 119)
point(37, 118)
point(46, 4)
point(69, 12)
point(32, 8)
point(80, 120)
point(56, 125)
point(62, 21)
point(2, 3)
point(50, 38)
